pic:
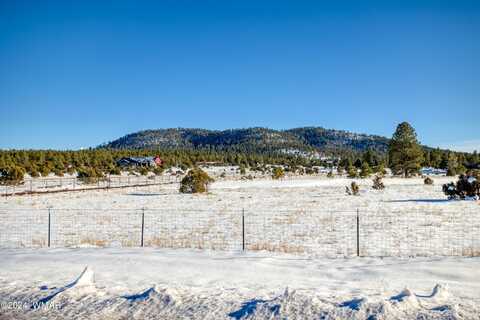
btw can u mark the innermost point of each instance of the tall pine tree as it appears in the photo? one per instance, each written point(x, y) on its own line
point(404, 151)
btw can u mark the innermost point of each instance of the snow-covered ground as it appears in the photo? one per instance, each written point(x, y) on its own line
point(291, 226)
point(70, 182)
point(311, 216)
point(146, 283)
point(319, 193)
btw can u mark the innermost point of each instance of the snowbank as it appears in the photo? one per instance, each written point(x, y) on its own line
point(180, 284)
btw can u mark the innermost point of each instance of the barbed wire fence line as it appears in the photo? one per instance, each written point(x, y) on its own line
point(305, 232)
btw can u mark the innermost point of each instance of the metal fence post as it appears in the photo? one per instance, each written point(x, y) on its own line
point(243, 229)
point(358, 235)
point(143, 226)
point(49, 225)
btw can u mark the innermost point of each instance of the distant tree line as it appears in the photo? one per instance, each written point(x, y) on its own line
point(405, 157)
point(100, 162)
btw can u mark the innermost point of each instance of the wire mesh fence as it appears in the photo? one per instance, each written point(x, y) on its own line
point(303, 232)
point(69, 184)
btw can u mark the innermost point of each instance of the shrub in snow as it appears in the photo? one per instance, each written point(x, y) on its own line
point(381, 170)
point(45, 170)
point(428, 181)
point(115, 171)
point(475, 174)
point(353, 190)
point(243, 171)
point(12, 175)
point(340, 170)
point(58, 172)
point(143, 171)
point(89, 175)
point(278, 173)
point(158, 170)
point(70, 170)
point(467, 186)
point(34, 173)
point(450, 190)
point(330, 174)
point(196, 181)
point(352, 172)
point(378, 183)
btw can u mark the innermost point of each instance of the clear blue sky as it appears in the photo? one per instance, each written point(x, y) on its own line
point(78, 73)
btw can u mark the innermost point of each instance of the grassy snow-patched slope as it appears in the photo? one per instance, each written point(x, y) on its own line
point(189, 284)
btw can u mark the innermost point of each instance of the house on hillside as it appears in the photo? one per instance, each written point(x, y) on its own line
point(140, 162)
point(471, 166)
point(429, 171)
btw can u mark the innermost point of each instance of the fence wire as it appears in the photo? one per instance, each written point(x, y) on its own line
point(45, 185)
point(303, 232)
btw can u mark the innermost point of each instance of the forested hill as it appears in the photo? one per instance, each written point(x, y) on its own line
point(253, 140)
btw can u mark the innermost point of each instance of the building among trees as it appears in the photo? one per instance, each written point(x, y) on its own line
point(140, 161)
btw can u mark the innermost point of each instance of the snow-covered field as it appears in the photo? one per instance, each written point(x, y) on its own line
point(291, 226)
point(69, 182)
point(146, 283)
point(302, 192)
point(311, 216)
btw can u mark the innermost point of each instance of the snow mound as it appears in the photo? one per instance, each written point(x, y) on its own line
point(288, 303)
point(142, 296)
point(405, 296)
point(354, 304)
point(440, 292)
point(163, 297)
point(83, 284)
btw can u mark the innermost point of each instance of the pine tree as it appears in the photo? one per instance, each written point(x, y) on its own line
point(12, 175)
point(435, 158)
point(475, 157)
point(352, 172)
point(370, 157)
point(366, 171)
point(404, 151)
point(380, 169)
point(358, 163)
point(452, 165)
